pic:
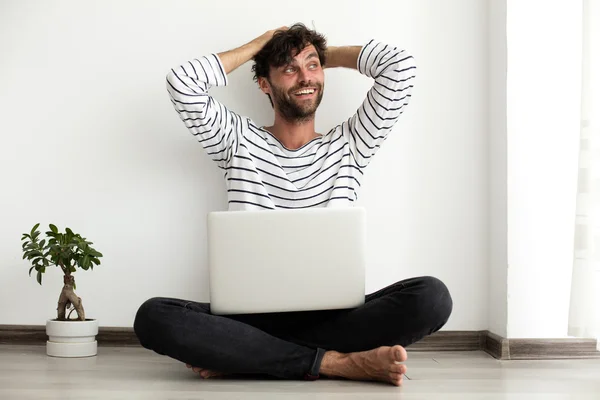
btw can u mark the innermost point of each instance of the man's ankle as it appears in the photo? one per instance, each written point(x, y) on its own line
point(331, 362)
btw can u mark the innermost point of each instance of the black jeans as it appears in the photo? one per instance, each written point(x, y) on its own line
point(291, 345)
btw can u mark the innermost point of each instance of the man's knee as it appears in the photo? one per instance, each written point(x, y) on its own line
point(143, 322)
point(438, 300)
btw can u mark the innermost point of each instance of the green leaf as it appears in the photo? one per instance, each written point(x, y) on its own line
point(83, 263)
point(53, 228)
point(25, 244)
point(69, 231)
point(30, 270)
point(39, 277)
point(74, 286)
point(34, 228)
point(36, 253)
point(95, 261)
point(43, 243)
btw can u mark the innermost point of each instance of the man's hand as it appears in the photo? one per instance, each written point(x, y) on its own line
point(265, 37)
point(232, 59)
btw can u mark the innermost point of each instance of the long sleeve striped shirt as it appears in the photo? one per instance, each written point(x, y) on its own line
point(260, 172)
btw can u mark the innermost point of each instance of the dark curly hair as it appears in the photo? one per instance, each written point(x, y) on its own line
point(284, 46)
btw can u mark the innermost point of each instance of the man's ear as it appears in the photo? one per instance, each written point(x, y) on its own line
point(263, 84)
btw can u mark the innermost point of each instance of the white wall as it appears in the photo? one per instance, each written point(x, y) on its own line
point(90, 140)
point(535, 86)
point(543, 117)
point(498, 264)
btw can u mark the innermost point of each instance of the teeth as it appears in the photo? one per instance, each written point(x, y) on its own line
point(306, 91)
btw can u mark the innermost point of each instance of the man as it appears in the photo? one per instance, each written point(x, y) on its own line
point(289, 165)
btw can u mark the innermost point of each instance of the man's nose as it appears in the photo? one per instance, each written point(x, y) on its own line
point(303, 75)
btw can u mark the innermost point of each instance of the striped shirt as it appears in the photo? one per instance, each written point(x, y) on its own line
point(260, 172)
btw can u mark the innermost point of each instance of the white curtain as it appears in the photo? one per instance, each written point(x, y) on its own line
point(584, 316)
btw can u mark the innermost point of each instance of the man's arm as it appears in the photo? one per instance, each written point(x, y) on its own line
point(343, 56)
point(216, 127)
point(393, 71)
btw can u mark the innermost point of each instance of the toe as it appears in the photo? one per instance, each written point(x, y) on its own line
point(209, 374)
point(398, 368)
point(399, 353)
point(396, 379)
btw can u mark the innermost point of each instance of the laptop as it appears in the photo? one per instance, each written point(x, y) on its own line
point(286, 260)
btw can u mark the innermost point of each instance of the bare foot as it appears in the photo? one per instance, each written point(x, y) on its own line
point(381, 364)
point(205, 373)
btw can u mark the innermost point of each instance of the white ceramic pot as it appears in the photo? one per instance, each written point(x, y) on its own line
point(72, 338)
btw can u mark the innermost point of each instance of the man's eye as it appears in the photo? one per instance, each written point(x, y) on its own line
point(289, 69)
point(312, 66)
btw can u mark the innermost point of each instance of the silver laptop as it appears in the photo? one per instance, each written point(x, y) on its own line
point(286, 260)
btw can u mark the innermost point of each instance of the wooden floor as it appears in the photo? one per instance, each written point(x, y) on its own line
point(135, 373)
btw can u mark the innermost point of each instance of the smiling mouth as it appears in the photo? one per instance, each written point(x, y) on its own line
point(305, 92)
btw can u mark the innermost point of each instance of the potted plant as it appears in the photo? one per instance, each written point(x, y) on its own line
point(66, 337)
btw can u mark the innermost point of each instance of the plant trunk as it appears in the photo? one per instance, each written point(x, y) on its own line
point(68, 298)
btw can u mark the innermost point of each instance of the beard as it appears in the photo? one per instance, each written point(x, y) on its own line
point(293, 109)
